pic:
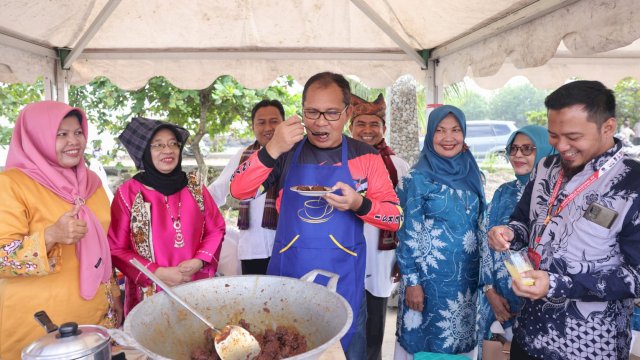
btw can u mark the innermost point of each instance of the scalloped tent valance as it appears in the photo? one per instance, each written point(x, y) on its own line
point(588, 39)
point(193, 42)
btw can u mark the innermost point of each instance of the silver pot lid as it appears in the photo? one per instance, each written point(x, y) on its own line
point(69, 342)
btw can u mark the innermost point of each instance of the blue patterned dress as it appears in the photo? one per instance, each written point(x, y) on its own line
point(439, 250)
point(492, 269)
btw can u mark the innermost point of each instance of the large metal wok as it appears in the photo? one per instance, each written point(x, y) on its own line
point(164, 330)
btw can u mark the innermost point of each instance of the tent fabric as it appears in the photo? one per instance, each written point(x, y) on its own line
point(585, 28)
point(192, 42)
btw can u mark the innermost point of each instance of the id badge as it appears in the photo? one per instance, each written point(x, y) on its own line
point(600, 215)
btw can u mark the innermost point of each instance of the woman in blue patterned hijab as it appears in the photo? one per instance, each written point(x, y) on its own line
point(525, 148)
point(443, 202)
point(459, 171)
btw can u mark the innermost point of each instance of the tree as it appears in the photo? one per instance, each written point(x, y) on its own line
point(13, 97)
point(208, 111)
point(627, 93)
point(537, 117)
point(514, 101)
point(472, 104)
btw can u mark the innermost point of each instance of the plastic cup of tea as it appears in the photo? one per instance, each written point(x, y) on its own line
point(518, 262)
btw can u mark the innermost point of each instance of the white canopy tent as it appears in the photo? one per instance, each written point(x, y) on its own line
point(437, 42)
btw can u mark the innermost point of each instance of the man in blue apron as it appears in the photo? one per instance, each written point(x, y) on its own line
point(348, 183)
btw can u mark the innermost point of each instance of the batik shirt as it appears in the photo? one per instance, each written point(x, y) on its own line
point(438, 250)
point(492, 269)
point(594, 270)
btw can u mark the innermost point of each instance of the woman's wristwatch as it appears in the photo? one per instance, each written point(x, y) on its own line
point(487, 288)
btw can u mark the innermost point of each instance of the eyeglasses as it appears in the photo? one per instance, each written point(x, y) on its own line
point(172, 145)
point(329, 115)
point(526, 149)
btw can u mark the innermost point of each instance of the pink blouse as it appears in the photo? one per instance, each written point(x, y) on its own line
point(203, 233)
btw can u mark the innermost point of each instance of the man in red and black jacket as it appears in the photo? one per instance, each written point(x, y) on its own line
point(323, 229)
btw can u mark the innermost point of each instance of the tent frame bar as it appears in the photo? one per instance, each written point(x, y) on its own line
point(524, 15)
point(391, 33)
point(97, 23)
point(252, 54)
point(28, 46)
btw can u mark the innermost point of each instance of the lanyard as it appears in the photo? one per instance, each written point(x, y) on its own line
point(556, 190)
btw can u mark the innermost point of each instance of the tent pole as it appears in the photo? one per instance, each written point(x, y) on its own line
point(61, 83)
point(434, 87)
point(49, 88)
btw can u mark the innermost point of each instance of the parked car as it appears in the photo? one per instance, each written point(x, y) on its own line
point(489, 137)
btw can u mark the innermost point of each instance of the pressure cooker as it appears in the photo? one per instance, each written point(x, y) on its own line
point(69, 341)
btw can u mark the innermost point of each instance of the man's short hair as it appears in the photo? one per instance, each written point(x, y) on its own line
point(266, 103)
point(597, 100)
point(327, 78)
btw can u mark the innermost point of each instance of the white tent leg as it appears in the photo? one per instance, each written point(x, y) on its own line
point(61, 84)
point(434, 87)
point(49, 88)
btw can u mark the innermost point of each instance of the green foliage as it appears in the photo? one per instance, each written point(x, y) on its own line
point(211, 111)
point(513, 102)
point(627, 93)
point(358, 88)
point(537, 117)
point(474, 105)
point(493, 161)
point(13, 97)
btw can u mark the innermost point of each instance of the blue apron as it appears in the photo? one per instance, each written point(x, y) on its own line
point(312, 234)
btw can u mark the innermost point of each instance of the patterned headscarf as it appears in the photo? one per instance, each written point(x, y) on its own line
point(136, 137)
point(139, 132)
point(33, 151)
point(362, 107)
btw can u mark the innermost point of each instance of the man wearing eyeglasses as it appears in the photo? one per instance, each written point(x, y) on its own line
point(578, 218)
point(329, 185)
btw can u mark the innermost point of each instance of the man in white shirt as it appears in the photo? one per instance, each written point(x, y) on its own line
point(258, 217)
point(627, 133)
point(636, 136)
point(368, 125)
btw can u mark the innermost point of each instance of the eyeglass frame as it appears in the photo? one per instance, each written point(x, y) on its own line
point(172, 145)
point(525, 151)
point(323, 114)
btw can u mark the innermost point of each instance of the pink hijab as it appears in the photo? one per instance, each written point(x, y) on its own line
point(33, 151)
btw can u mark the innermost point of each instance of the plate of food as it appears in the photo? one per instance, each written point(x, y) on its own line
point(311, 190)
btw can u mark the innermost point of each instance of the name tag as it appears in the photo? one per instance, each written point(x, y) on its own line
point(600, 215)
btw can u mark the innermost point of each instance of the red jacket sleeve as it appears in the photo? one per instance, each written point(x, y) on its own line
point(381, 206)
point(247, 181)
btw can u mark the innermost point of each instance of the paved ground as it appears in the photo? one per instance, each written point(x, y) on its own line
point(389, 341)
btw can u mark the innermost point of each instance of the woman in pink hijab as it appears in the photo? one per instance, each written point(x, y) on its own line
point(54, 214)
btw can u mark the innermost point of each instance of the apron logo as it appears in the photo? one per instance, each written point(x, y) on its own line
point(315, 211)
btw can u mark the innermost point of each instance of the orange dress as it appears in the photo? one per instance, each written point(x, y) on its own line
point(32, 279)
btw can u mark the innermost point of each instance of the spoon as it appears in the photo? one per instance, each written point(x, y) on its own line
point(232, 342)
